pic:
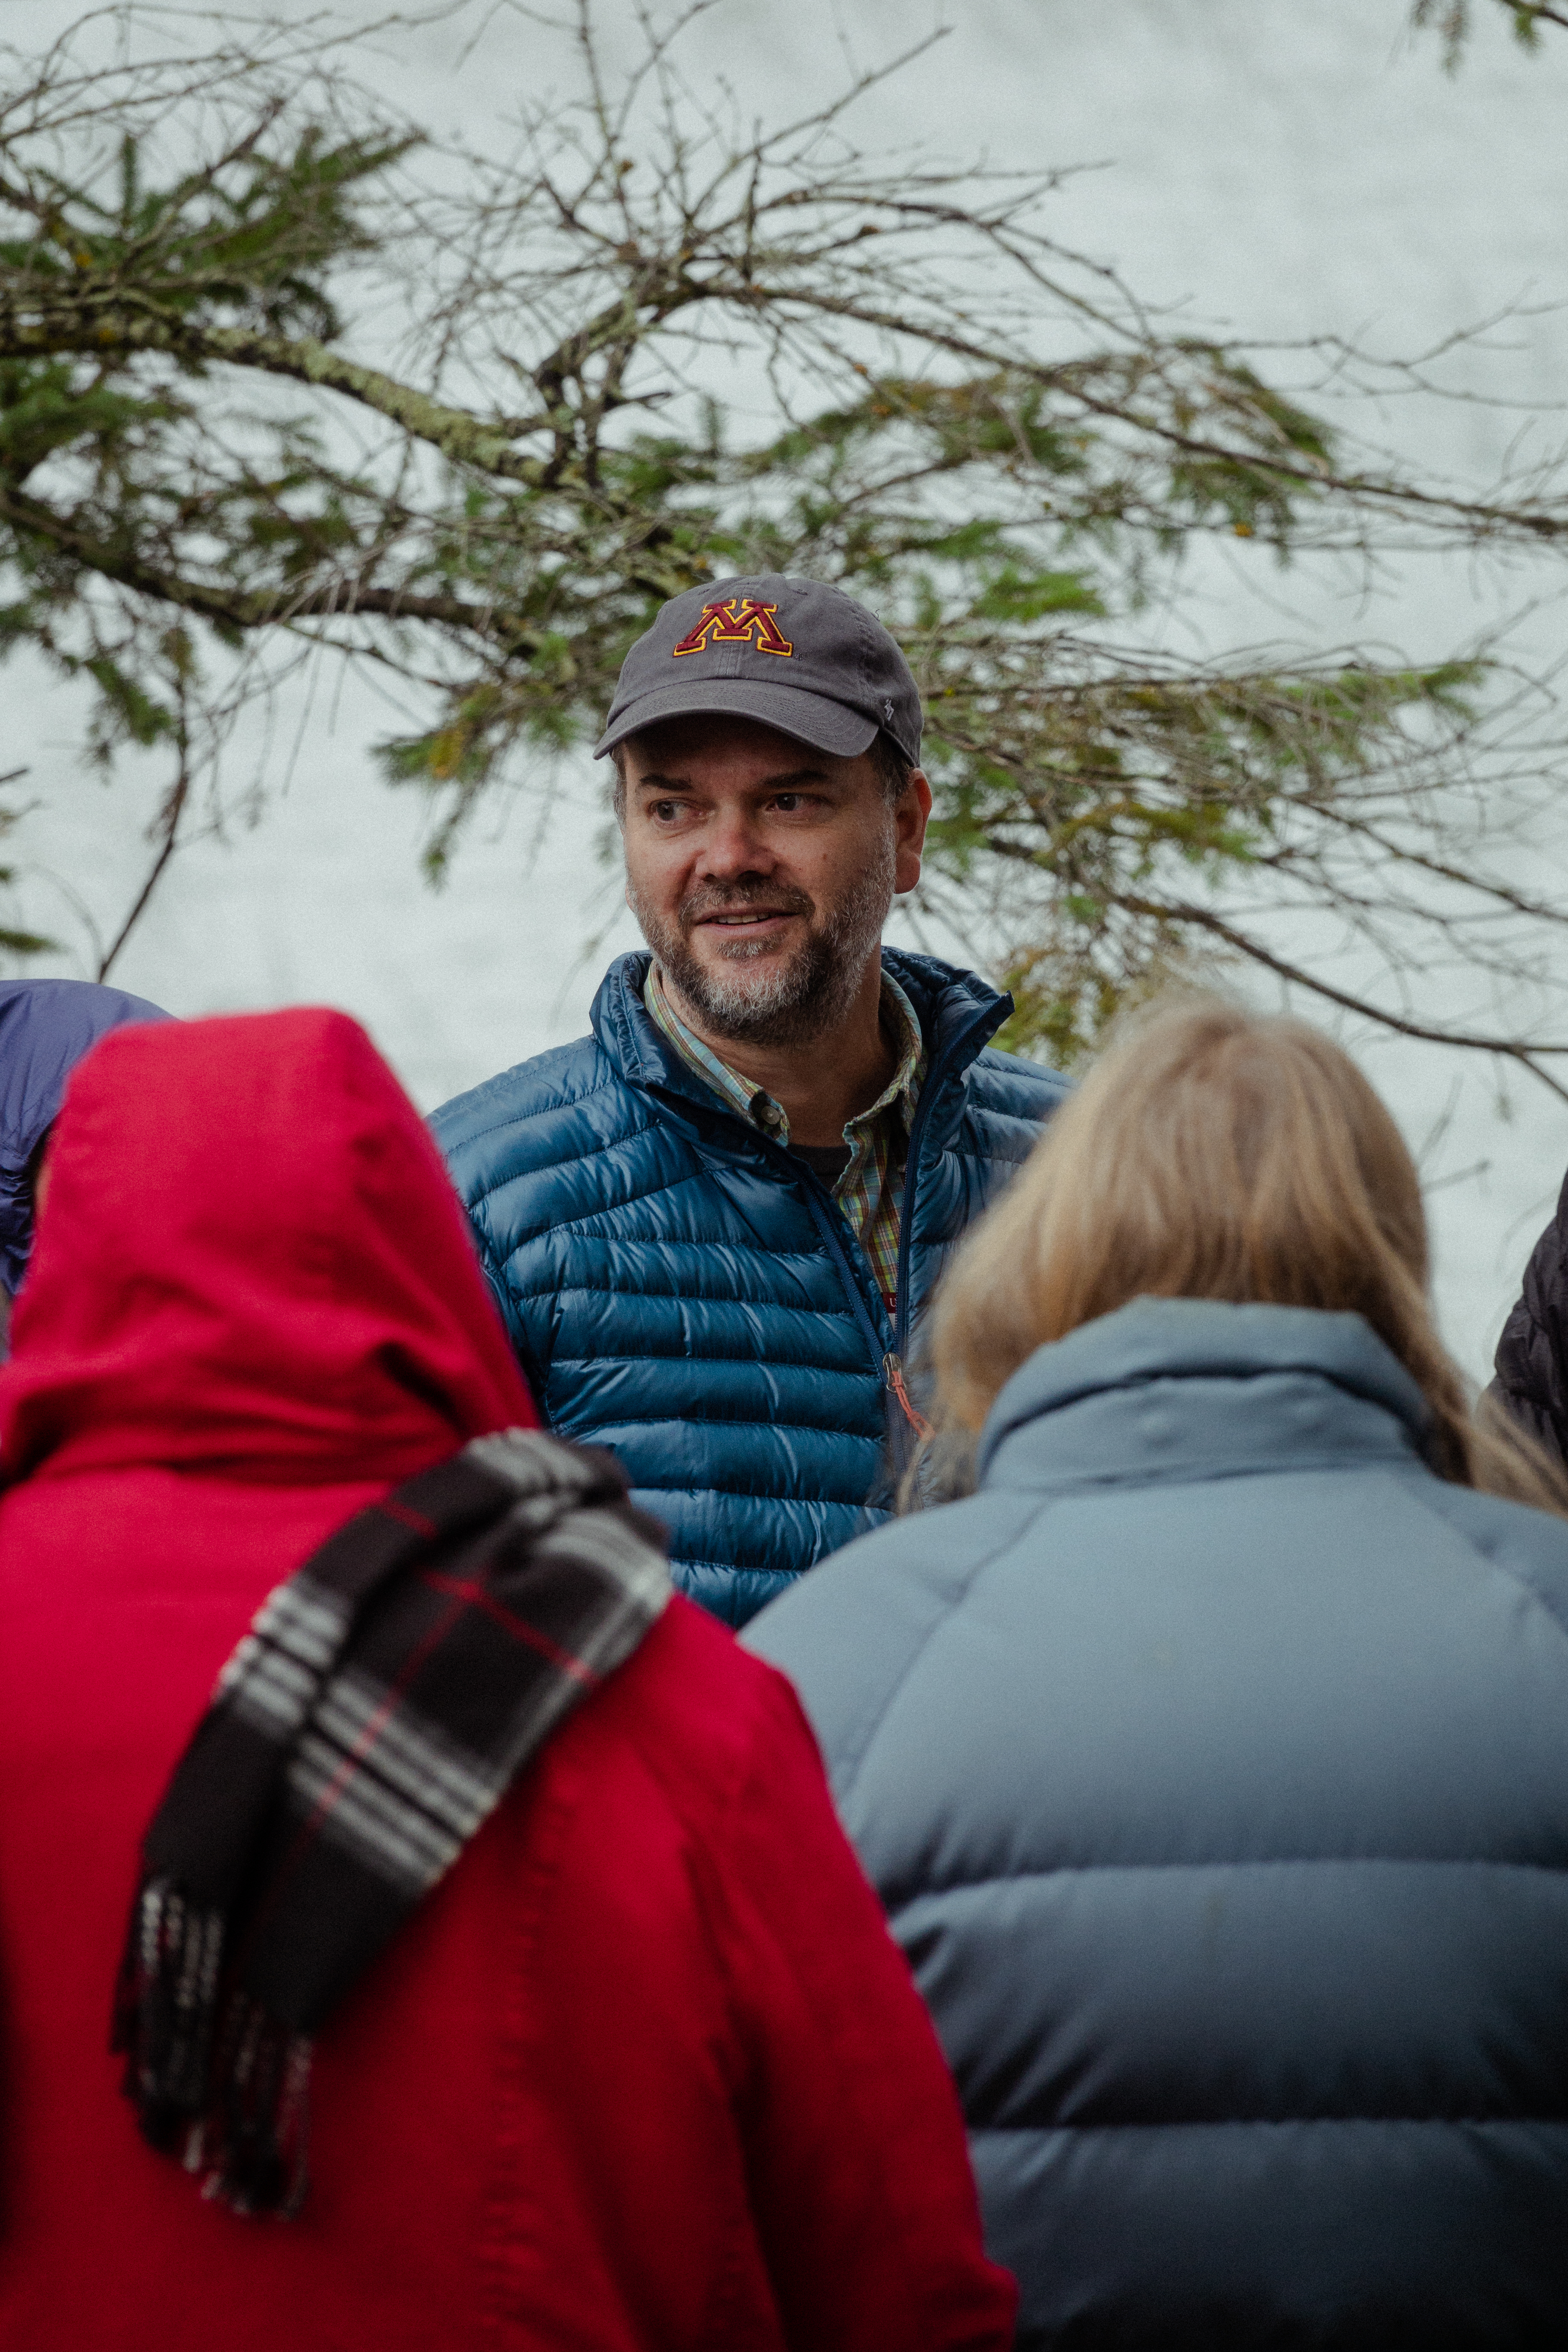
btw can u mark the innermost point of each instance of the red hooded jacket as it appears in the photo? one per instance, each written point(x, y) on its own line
point(645, 2070)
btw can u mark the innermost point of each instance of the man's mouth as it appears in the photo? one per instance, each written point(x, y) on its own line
point(747, 919)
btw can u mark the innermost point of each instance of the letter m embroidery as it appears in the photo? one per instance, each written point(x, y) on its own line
point(739, 621)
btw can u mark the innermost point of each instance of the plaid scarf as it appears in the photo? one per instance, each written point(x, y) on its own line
point(382, 1702)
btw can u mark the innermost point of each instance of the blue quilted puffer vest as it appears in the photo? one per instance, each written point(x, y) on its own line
point(681, 1289)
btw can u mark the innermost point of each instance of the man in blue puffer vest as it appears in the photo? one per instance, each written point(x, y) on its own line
point(712, 1225)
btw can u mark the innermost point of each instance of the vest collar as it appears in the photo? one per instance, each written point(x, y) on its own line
point(957, 1011)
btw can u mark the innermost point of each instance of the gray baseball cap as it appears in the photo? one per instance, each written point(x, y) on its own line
point(791, 654)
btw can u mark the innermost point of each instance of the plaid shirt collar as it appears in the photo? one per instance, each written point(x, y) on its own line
point(757, 1107)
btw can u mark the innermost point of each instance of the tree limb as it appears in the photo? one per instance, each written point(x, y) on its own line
point(1205, 919)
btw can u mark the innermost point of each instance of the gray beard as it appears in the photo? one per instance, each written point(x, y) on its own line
point(788, 1002)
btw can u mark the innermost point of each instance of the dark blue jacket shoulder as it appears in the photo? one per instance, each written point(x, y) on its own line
point(679, 1289)
point(46, 1027)
point(1211, 1761)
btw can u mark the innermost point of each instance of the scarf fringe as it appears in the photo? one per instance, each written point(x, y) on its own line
point(216, 2081)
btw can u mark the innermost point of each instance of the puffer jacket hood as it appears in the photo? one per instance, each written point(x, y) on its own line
point(642, 2073)
point(46, 1027)
point(1211, 1761)
point(331, 1349)
point(1172, 1352)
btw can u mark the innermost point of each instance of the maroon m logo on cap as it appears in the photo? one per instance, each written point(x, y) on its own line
point(739, 621)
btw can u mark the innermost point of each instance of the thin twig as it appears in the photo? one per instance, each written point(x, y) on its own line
point(169, 826)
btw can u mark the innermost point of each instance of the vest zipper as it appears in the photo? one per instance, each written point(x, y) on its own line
point(893, 1373)
point(826, 1212)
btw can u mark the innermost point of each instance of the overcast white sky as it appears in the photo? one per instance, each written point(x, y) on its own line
point(1284, 170)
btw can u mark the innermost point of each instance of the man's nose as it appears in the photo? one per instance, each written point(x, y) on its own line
point(734, 844)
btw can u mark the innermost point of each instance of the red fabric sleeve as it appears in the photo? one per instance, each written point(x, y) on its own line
point(859, 2171)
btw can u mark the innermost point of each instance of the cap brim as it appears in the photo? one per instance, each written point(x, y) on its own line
point(810, 718)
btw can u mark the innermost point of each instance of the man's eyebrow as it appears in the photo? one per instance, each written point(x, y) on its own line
point(656, 781)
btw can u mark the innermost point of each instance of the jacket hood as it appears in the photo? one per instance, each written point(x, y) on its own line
point(1198, 1386)
point(251, 1262)
point(46, 1027)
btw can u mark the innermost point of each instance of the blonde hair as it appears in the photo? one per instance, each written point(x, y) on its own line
point(1216, 1153)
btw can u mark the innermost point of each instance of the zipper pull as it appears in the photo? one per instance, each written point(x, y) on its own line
point(893, 1373)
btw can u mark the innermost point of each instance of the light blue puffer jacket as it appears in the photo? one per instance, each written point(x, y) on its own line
point(679, 1289)
point(1212, 1763)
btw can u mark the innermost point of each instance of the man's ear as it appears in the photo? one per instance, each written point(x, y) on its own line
point(911, 812)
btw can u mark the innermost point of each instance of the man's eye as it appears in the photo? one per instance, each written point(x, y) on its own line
point(665, 811)
point(789, 802)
